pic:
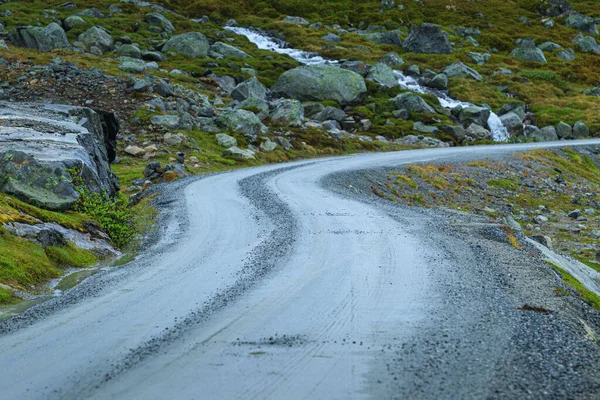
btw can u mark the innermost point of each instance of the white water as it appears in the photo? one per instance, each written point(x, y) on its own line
point(499, 132)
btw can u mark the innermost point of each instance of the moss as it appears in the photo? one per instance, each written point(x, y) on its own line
point(71, 256)
point(585, 294)
point(507, 184)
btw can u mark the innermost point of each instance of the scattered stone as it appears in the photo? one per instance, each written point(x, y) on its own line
point(460, 70)
point(392, 59)
point(43, 39)
point(413, 103)
point(580, 130)
point(287, 112)
point(513, 124)
point(564, 131)
point(159, 23)
point(98, 37)
point(240, 121)
point(250, 88)
point(383, 75)
point(221, 50)
point(134, 150)
point(528, 52)
point(238, 154)
point(477, 132)
point(191, 44)
point(427, 38)
point(566, 54)
point(225, 140)
point(546, 134)
point(296, 20)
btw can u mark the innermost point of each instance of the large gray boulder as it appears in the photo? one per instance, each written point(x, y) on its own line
point(225, 140)
point(580, 130)
point(529, 52)
point(222, 50)
point(460, 70)
point(583, 23)
point(383, 75)
point(287, 112)
point(159, 23)
point(249, 89)
point(43, 146)
point(586, 44)
point(392, 59)
point(566, 54)
point(42, 39)
point(240, 121)
point(321, 82)
point(97, 37)
point(474, 114)
point(546, 134)
point(427, 38)
point(513, 124)
point(477, 132)
point(191, 44)
point(72, 22)
point(564, 131)
point(389, 37)
point(412, 103)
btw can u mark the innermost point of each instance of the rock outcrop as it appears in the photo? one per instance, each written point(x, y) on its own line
point(48, 150)
point(43, 39)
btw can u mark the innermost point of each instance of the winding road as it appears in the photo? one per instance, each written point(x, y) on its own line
point(277, 282)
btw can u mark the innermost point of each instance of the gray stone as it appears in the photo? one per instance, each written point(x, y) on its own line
point(580, 130)
point(240, 121)
point(173, 139)
point(583, 23)
point(392, 59)
point(321, 82)
point(160, 22)
point(225, 140)
point(268, 146)
point(528, 52)
point(51, 237)
point(546, 134)
point(287, 112)
point(401, 114)
point(460, 70)
point(330, 113)
point(592, 91)
point(390, 37)
point(549, 46)
point(479, 58)
point(412, 103)
point(191, 44)
point(166, 121)
point(587, 44)
point(420, 141)
point(566, 54)
point(456, 131)
point(40, 144)
point(438, 81)
point(284, 143)
point(73, 21)
point(221, 50)
point(477, 132)
point(513, 124)
point(564, 131)
point(129, 50)
point(96, 36)
point(427, 38)
point(90, 12)
point(153, 56)
point(474, 114)
point(422, 128)
point(312, 108)
point(43, 39)
point(257, 106)
point(238, 154)
point(331, 38)
point(383, 75)
point(132, 65)
point(296, 20)
point(251, 88)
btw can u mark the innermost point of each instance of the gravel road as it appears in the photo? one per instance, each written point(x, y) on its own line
point(293, 281)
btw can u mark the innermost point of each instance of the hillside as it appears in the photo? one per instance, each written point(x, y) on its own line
point(193, 93)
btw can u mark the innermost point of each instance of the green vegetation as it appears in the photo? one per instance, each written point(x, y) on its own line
point(585, 294)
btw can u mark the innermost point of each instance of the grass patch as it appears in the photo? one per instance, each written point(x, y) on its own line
point(587, 295)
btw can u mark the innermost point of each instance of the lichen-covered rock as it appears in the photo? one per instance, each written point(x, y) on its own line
point(222, 50)
point(43, 39)
point(132, 65)
point(73, 21)
point(566, 54)
point(191, 44)
point(477, 132)
point(587, 44)
point(159, 23)
point(383, 75)
point(528, 52)
point(130, 50)
point(580, 130)
point(225, 140)
point(564, 131)
point(513, 124)
point(546, 134)
point(583, 23)
point(287, 112)
point(474, 114)
point(321, 82)
point(392, 59)
point(460, 70)
point(412, 103)
point(249, 89)
point(240, 121)
point(427, 38)
point(97, 37)
point(166, 121)
point(238, 154)
point(41, 147)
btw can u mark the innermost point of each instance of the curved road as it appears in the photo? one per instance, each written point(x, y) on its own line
point(265, 284)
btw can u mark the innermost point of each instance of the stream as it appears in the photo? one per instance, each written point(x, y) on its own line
point(499, 132)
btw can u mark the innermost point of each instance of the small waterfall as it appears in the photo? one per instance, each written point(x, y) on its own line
point(499, 132)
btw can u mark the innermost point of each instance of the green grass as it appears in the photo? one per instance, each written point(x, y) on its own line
point(507, 184)
point(585, 294)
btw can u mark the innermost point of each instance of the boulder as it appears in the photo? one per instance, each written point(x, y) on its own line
point(427, 38)
point(90, 12)
point(240, 121)
point(296, 20)
point(389, 37)
point(546, 134)
point(586, 44)
point(166, 121)
point(392, 59)
point(132, 65)
point(72, 22)
point(564, 131)
point(413, 103)
point(456, 131)
point(321, 82)
point(250, 88)
point(225, 140)
point(477, 132)
point(268, 146)
point(191, 44)
point(554, 8)
point(595, 91)
point(287, 112)
point(437, 81)
point(580, 130)
point(221, 50)
point(421, 141)
point(474, 114)
point(583, 23)
point(383, 75)
point(159, 23)
point(528, 52)
point(97, 37)
point(566, 54)
point(42, 39)
point(330, 113)
point(331, 38)
point(422, 128)
point(129, 50)
point(134, 151)
point(549, 46)
point(479, 58)
point(238, 154)
point(460, 70)
point(513, 124)
point(41, 147)
point(283, 142)
point(257, 106)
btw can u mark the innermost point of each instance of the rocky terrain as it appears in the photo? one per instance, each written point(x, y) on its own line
point(173, 88)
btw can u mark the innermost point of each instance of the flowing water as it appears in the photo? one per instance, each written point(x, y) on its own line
point(499, 132)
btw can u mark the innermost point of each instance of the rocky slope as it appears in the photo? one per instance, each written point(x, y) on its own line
point(203, 86)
